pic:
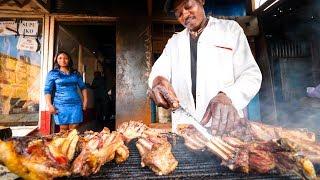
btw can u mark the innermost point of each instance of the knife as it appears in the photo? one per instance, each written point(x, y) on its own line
point(193, 121)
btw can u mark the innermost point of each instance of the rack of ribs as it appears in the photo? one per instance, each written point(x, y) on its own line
point(254, 131)
point(253, 156)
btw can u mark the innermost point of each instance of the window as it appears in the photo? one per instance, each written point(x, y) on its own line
point(20, 64)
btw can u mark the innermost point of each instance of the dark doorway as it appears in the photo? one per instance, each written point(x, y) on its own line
point(92, 48)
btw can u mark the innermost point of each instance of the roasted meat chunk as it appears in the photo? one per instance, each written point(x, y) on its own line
point(131, 130)
point(98, 149)
point(156, 154)
point(40, 158)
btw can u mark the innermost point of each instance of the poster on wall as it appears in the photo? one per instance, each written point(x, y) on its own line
point(19, 80)
point(28, 28)
point(8, 28)
point(27, 44)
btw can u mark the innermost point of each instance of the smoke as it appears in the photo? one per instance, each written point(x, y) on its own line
point(294, 70)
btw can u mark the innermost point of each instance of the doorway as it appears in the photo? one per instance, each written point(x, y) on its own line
point(92, 49)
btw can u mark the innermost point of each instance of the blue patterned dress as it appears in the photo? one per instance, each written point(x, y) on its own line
point(66, 99)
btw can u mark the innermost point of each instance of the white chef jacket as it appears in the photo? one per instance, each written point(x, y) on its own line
point(224, 63)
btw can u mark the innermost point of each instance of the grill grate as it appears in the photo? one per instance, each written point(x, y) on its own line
point(191, 165)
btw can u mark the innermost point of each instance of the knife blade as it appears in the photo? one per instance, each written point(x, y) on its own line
point(194, 121)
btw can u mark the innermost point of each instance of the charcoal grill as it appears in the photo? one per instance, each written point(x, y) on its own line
point(192, 165)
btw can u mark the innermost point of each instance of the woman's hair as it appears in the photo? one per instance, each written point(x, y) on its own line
point(70, 63)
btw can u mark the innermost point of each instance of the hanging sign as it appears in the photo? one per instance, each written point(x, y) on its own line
point(27, 44)
point(28, 28)
point(8, 28)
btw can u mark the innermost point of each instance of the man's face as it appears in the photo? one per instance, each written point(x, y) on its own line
point(189, 13)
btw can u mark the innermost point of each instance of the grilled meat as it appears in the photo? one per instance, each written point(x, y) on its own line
point(305, 141)
point(258, 156)
point(156, 154)
point(131, 130)
point(193, 139)
point(264, 132)
point(39, 158)
point(253, 158)
point(134, 129)
point(153, 146)
point(122, 154)
point(278, 154)
point(98, 149)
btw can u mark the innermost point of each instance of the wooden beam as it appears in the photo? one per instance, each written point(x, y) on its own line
point(267, 92)
point(82, 17)
point(22, 3)
point(149, 6)
point(261, 9)
point(42, 6)
point(249, 6)
point(19, 15)
point(3, 1)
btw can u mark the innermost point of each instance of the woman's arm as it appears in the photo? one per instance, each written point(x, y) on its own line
point(84, 93)
point(51, 108)
point(48, 90)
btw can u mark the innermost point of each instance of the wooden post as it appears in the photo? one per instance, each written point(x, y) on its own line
point(315, 53)
point(267, 95)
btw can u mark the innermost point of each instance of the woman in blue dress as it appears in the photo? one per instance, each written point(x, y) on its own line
point(62, 87)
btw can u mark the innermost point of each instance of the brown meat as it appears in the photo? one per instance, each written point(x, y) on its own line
point(305, 141)
point(261, 161)
point(156, 154)
point(40, 158)
point(193, 139)
point(122, 154)
point(275, 132)
point(131, 130)
point(98, 150)
point(253, 157)
point(262, 157)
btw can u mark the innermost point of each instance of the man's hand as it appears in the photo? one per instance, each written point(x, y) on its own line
point(163, 94)
point(52, 109)
point(224, 115)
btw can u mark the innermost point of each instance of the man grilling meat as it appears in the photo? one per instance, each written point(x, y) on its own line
point(207, 68)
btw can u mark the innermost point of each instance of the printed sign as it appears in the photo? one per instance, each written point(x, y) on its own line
point(28, 28)
point(8, 28)
point(27, 44)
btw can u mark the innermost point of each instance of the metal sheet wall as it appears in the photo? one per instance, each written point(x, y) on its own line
point(133, 64)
